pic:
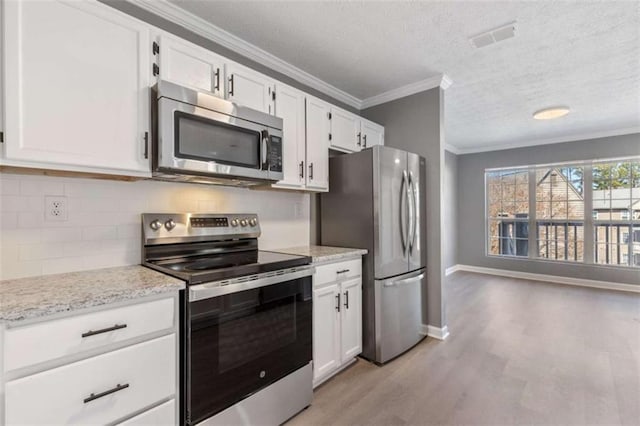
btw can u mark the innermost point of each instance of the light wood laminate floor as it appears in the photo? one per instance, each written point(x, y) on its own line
point(520, 352)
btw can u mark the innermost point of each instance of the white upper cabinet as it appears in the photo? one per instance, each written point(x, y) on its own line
point(290, 107)
point(345, 130)
point(77, 87)
point(250, 88)
point(317, 167)
point(190, 65)
point(371, 133)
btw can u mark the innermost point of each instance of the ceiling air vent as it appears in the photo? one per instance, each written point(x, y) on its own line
point(495, 35)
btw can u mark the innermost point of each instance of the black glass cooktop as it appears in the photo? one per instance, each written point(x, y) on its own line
point(201, 269)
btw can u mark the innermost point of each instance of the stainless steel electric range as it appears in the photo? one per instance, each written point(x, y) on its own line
point(246, 315)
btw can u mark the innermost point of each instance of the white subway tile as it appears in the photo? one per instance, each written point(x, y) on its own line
point(8, 220)
point(41, 187)
point(9, 186)
point(62, 265)
point(30, 252)
point(21, 236)
point(129, 231)
point(100, 233)
point(30, 220)
point(14, 203)
point(13, 270)
point(50, 235)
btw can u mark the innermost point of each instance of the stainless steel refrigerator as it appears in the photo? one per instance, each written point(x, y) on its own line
point(377, 201)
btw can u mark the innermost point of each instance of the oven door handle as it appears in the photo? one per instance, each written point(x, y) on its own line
point(214, 289)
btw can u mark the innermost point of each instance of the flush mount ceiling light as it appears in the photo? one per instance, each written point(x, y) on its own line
point(551, 113)
point(493, 36)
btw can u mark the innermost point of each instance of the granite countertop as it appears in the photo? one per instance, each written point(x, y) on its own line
point(34, 297)
point(323, 253)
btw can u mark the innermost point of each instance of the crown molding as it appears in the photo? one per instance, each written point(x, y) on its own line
point(191, 22)
point(548, 141)
point(453, 149)
point(440, 80)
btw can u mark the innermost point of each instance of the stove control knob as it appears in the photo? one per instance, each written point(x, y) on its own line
point(234, 222)
point(243, 222)
point(170, 224)
point(253, 221)
point(155, 225)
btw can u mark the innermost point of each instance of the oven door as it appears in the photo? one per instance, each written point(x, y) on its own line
point(194, 140)
point(241, 342)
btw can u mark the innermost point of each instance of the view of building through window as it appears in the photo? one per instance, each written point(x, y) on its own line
point(559, 197)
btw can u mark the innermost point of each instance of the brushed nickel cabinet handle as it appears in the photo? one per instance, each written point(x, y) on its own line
point(95, 396)
point(104, 330)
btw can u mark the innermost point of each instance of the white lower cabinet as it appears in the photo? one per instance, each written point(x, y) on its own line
point(337, 320)
point(162, 415)
point(97, 384)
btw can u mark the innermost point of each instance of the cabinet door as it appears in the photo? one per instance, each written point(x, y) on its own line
point(189, 65)
point(290, 107)
point(317, 167)
point(345, 129)
point(249, 88)
point(371, 133)
point(326, 331)
point(77, 85)
point(351, 321)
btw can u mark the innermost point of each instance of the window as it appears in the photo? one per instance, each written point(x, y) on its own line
point(560, 213)
point(616, 198)
point(552, 199)
point(508, 212)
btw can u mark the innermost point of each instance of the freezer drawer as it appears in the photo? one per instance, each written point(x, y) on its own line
point(398, 314)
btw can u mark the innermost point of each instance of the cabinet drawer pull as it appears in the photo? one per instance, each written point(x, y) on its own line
point(94, 396)
point(343, 271)
point(104, 330)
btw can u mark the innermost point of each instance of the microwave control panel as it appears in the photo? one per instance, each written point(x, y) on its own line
point(275, 154)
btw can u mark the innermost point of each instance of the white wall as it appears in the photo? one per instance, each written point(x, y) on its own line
point(103, 227)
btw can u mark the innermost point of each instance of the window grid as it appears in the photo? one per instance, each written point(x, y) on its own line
point(559, 199)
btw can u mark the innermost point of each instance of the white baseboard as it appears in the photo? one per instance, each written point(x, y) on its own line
point(550, 278)
point(435, 332)
point(450, 270)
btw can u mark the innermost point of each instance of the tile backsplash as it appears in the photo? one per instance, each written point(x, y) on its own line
point(103, 224)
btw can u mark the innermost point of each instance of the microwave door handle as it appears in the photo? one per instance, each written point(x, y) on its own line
point(265, 150)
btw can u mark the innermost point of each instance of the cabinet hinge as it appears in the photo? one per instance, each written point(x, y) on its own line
point(329, 136)
point(156, 69)
point(156, 48)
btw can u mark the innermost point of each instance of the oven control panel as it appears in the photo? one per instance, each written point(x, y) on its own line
point(158, 228)
point(209, 222)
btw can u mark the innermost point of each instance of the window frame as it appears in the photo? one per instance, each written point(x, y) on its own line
point(589, 220)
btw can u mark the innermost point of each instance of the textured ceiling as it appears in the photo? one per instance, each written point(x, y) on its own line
point(585, 55)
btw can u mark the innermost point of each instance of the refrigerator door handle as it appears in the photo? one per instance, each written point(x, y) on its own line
point(413, 224)
point(404, 232)
point(405, 281)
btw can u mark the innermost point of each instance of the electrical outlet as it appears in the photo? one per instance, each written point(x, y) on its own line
point(55, 209)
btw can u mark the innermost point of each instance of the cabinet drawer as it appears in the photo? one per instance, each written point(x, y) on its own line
point(162, 415)
point(49, 340)
point(337, 271)
point(87, 392)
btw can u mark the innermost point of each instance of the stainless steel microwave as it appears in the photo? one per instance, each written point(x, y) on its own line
point(201, 138)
